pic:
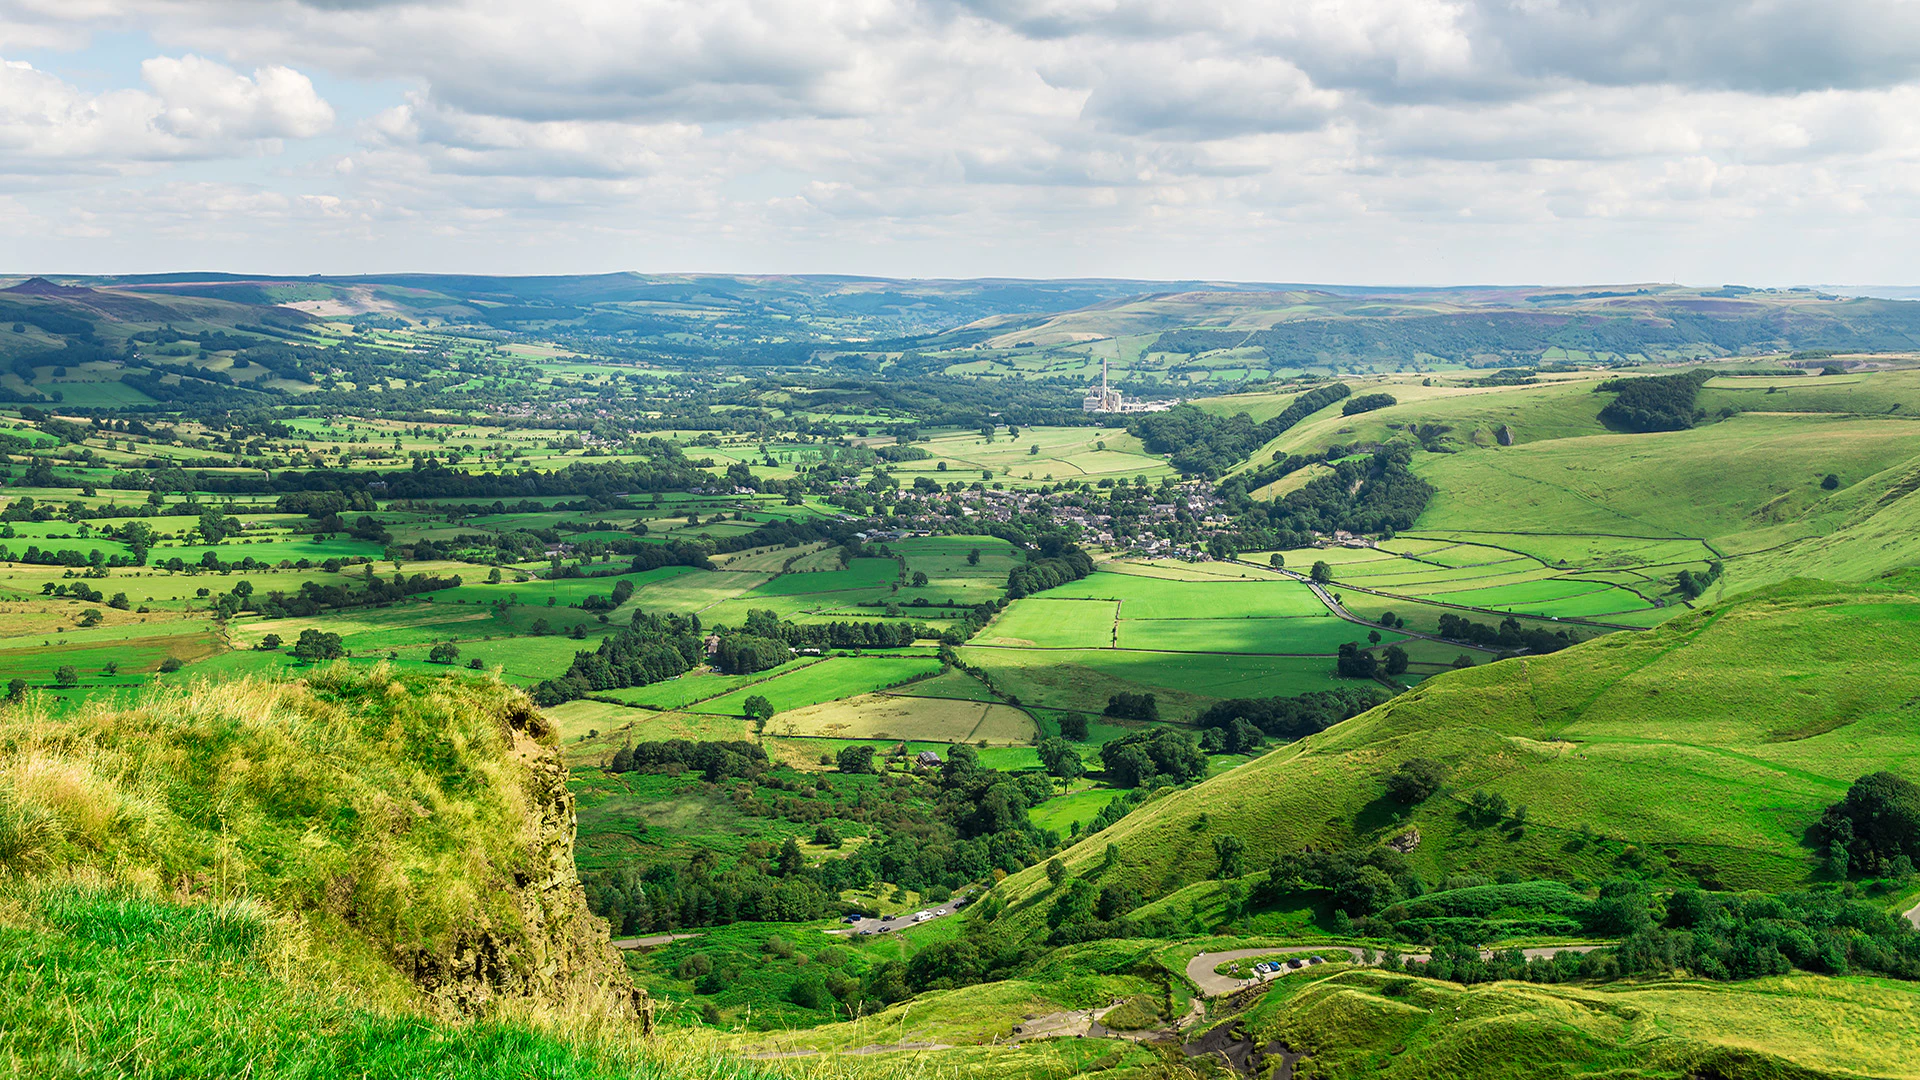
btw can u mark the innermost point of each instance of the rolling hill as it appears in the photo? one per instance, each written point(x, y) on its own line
point(1700, 752)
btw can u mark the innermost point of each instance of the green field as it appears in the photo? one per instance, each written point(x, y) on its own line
point(829, 680)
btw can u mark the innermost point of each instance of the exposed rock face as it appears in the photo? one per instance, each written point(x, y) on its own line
point(548, 946)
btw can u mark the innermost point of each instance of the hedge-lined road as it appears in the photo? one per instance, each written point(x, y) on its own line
point(1200, 969)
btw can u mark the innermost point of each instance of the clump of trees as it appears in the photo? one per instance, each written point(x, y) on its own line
point(714, 760)
point(1053, 562)
point(1127, 706)
point(1416, 780)
point(1200, 443)
point(1510, 634)
point(1367, 403)
point(1152, 758)
point(1875, 830)
point(1653, 402)
point(1691, 585)
point(1291, 717)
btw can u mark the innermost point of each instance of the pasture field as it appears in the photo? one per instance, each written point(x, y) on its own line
point(1182, 570)
point(832, 678)
point(1073, 453)
point(1052, 624)
point(1082, 680)
point(1550, 597)
point(1321, 636)
point(577, 720)
point(1159, 598)
point(699, 686)
point(900, 717)
point(954, 684)
point(863, 574)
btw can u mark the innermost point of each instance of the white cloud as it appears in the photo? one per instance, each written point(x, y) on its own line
point(205, 100)
point(1157, 137)
point(197, 109)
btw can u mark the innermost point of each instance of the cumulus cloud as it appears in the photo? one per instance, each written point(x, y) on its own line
point(195, 109)
point(1072, 131)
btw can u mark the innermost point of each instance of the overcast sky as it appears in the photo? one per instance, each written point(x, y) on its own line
point(1366, 141)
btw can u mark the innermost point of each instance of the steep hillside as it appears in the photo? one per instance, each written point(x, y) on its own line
point(1702, 751)
point(310, 877)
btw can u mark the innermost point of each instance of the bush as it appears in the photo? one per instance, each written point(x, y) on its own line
point(1367, 403)
point(1416, 780)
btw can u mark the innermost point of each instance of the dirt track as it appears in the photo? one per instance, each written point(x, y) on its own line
point(1200, 969)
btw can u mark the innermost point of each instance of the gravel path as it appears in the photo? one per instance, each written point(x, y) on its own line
point(1200, 969)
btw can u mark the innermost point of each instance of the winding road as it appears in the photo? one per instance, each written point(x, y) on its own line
point(1200, 969)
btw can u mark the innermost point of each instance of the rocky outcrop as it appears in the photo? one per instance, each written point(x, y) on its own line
point(546, 946)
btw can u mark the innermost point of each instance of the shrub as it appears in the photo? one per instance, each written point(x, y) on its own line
point(1416, 780)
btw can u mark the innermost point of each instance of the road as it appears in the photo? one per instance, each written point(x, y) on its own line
point(1335, 607)
point(650, 942)
point(1913, 916)
point(900, 922)
point(1200, 969)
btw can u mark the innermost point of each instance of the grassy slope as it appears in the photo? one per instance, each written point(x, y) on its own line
point(1368, 1023)
point(116, 983)
point(1710, 744)
point(262, 878)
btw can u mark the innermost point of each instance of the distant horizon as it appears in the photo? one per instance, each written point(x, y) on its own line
point(1865, 291)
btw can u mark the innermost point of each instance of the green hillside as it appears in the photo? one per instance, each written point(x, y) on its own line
point(1700, 752)
point(351, 876)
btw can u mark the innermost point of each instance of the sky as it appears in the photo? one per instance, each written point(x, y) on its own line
point(1764, 142)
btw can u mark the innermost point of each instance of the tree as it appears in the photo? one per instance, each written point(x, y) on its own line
point(1355, 662)
point(1876, 823)
point(1395, 660)
point(66, 675)
point(1462, 661)
point(919, 579)
point(1061, 760)
point(1488, 806)
point(1276, 560)
point(1416, 780)
point(973, 557)
point(1321, 573)
point(758, 708)
point(791, 861)
point(855, 759)
point(171, 664)
point(120, 602)
point(268, 643)
point(1073, 726)
point(1830, 482)
point(111, 667)
point(315, 645)
point(1056, 871)
point(16, 689)
point(1231, 851)
point(444, 653)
